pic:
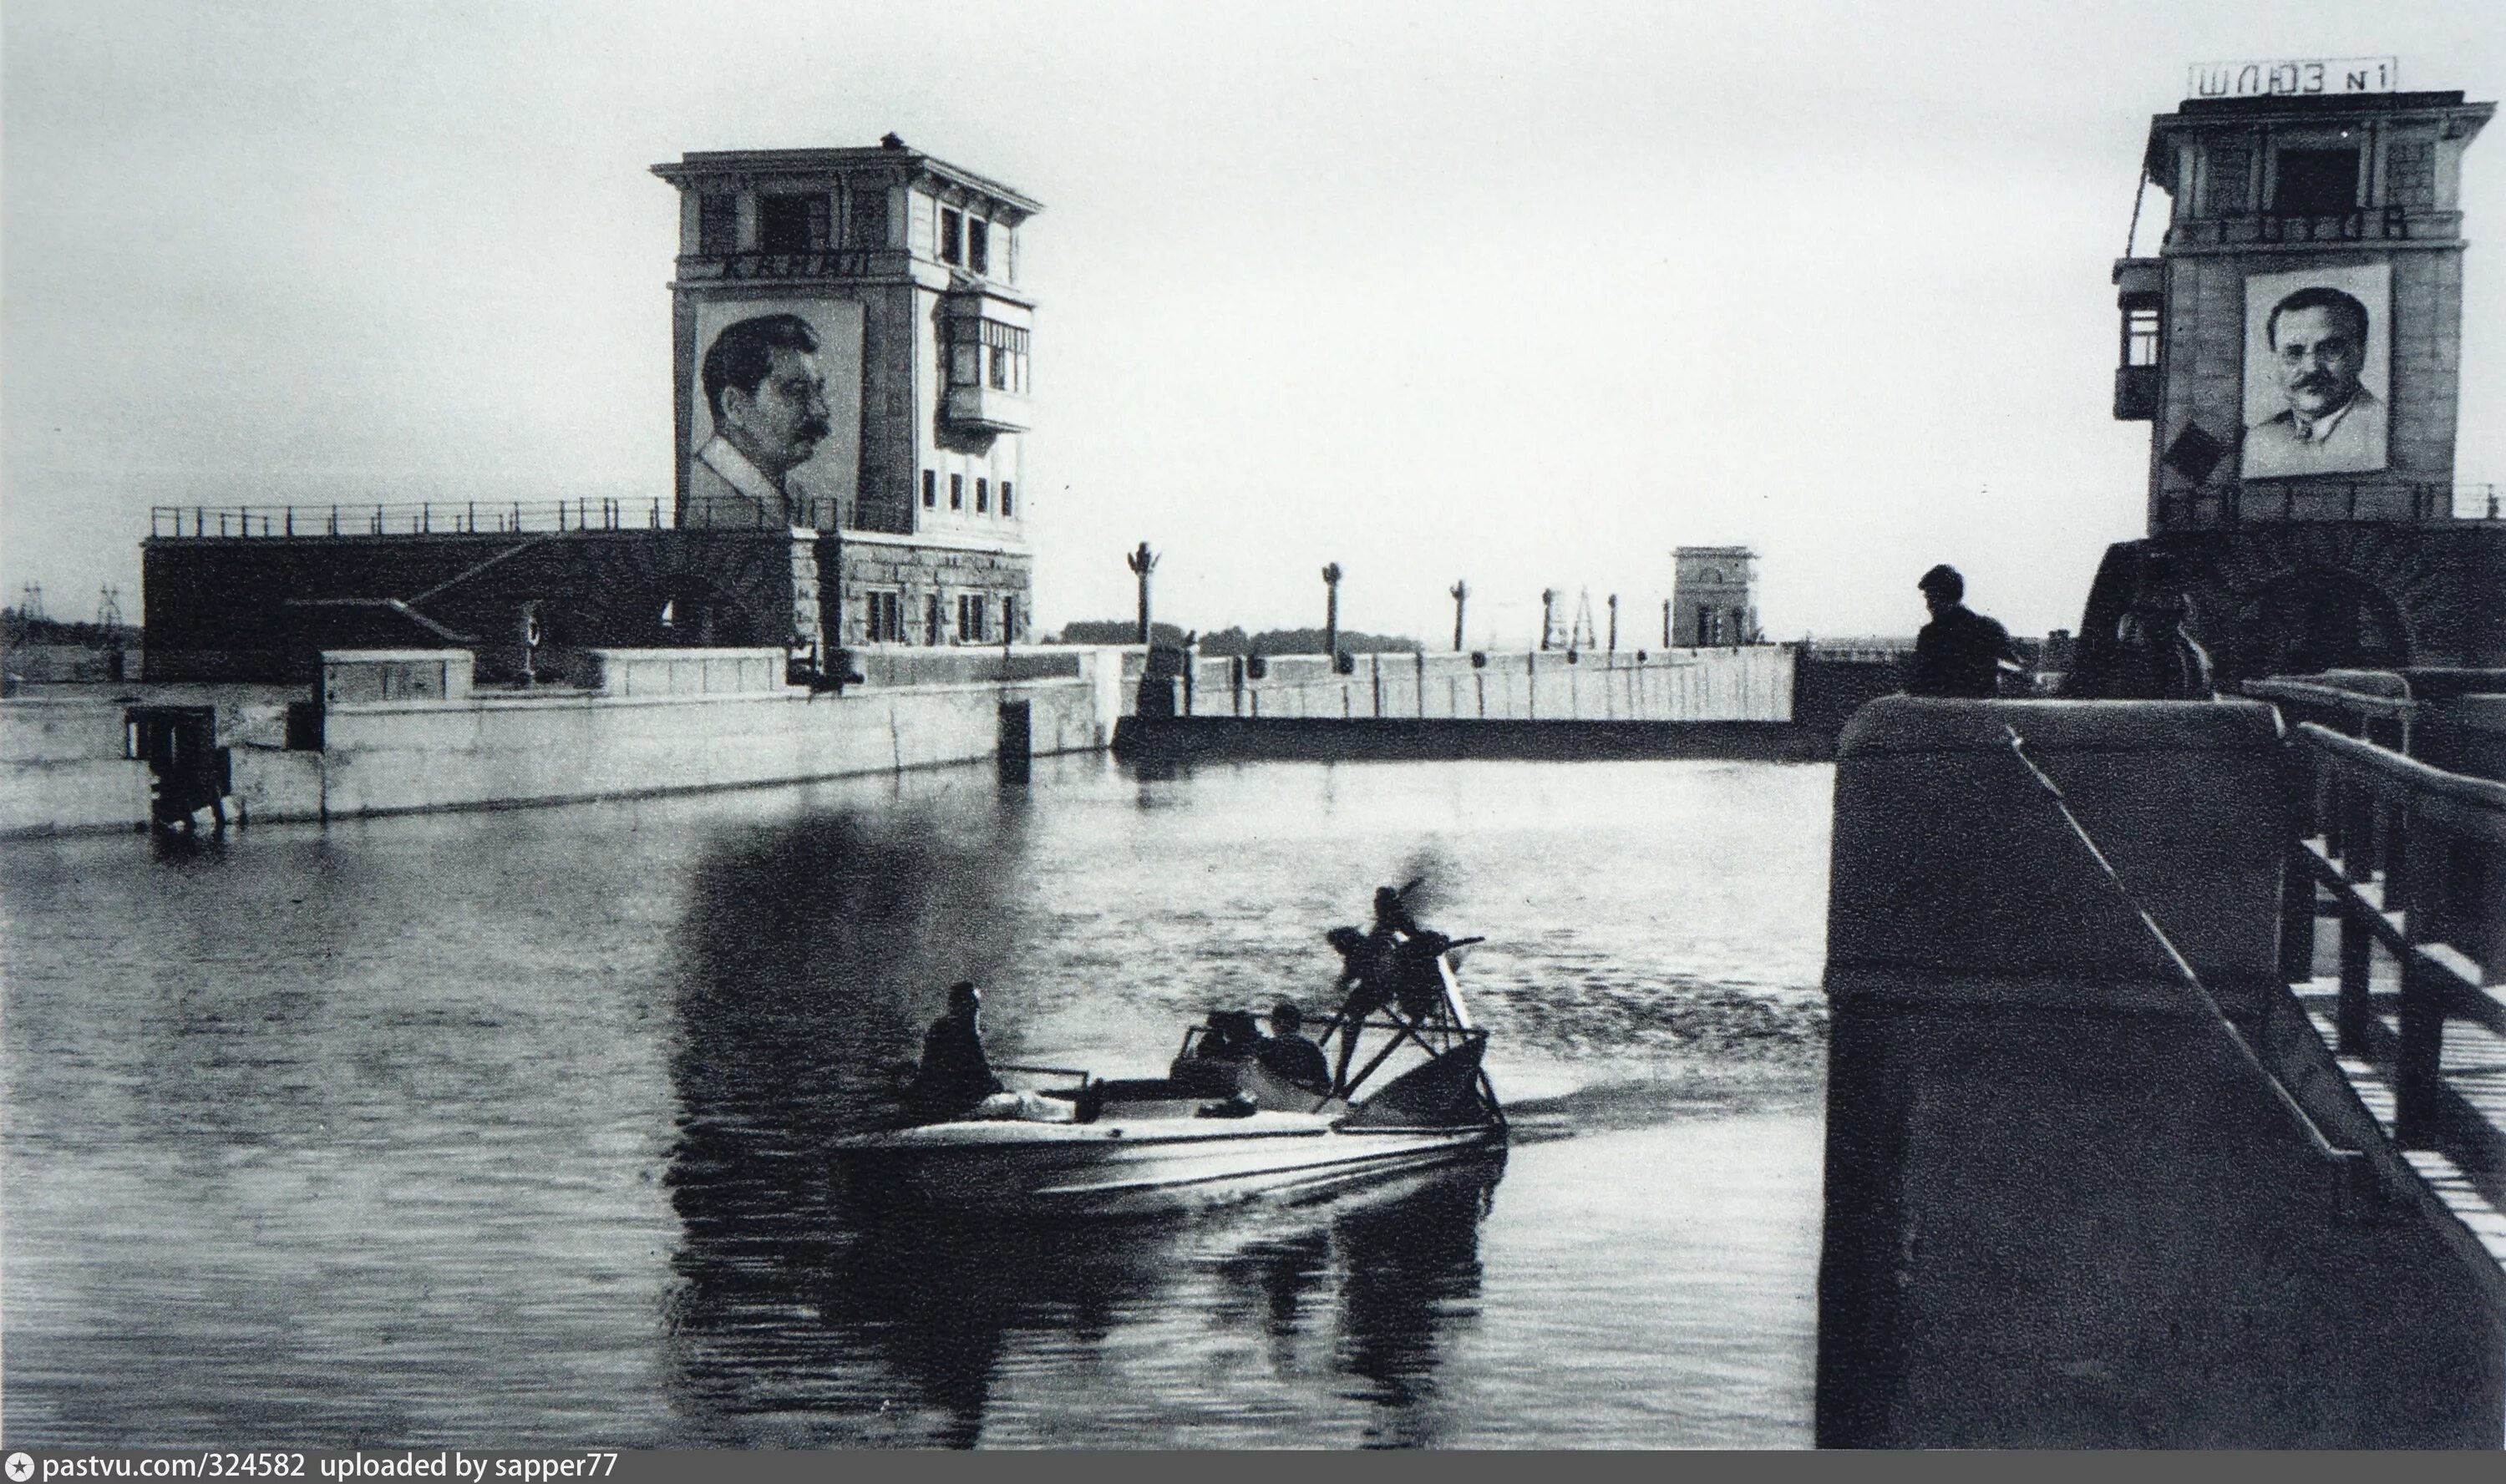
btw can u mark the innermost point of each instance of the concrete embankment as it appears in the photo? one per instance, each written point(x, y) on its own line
point(1760, 702)
point(396, 731)
point(64, 766)
point(2065, 1205)
point(1409, 739)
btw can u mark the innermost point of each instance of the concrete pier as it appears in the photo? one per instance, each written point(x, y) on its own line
point(2064, 1206)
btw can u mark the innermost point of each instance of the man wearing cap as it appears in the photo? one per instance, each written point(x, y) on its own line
point(1961, 652)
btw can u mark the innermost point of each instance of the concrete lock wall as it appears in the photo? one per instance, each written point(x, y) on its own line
point(1751, 683)
point(494, 750)
point(2062, 1208)
point(62, 769)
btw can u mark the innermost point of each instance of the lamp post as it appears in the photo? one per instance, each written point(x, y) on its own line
point(1548, 606)
point(1142, 563)
point(1461, 593)
point(1613, 623)
point(1331, 611)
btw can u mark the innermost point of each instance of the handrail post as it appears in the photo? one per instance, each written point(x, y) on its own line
point(2416, 1069)
point(2296, 895)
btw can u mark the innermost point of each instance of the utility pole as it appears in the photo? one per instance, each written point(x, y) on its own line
point(1331, 611)
point(1461, 591)
point(1548, 601)
point(1143, 562)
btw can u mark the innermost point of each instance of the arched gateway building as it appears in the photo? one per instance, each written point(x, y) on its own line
point(851, 377)
point(2295, 347)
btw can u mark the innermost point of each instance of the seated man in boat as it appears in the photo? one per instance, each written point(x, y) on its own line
point(954, 1077)
point(1288, 1055)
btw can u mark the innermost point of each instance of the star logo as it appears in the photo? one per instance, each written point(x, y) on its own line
point(20, 1469)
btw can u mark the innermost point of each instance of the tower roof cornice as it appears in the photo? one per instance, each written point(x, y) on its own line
point(2445, 111)
point(699, 168)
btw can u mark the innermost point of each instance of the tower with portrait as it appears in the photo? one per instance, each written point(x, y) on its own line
point(2295, 346)
point(903, 272)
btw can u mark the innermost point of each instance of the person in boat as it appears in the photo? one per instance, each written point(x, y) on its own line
point(1288, 1055)
point(1392, 913)
point(954, 1077)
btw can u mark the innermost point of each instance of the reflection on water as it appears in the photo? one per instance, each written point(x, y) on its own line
point(509, 1128)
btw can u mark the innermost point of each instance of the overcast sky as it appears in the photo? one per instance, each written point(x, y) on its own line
point(1521, 294)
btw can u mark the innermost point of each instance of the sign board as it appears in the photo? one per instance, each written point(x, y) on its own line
point(2292, 78)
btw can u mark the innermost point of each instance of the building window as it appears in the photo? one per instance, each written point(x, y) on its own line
point(885, 623)
point(970, 616)
point(979, 245)
point(931, 619)
point(956, 492)
point(1006, 511)
point(2316, 183)
point(1008, 619)
point(983, 496)
point(930, 490)
point(865, 219)
point(1710, 626)
point(717, 224)
point(792, 223)
point(952, 236)
point(2140, 336)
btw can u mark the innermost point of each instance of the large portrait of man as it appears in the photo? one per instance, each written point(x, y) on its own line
point(2318, 356)
point(775, 413)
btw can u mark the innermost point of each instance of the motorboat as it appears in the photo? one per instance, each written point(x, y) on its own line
point(1408, 1091)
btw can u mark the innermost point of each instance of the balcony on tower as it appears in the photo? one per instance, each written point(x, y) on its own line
point(2141, 285)
point(988, 359)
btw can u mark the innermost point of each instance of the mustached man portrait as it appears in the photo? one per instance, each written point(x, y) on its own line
point(2311, 407)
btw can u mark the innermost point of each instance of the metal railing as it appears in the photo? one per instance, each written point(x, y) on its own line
point(1751, 683)
point(2326, 500)
point(811, 262)
point(438, 517)
point(2378, 224)
point(2412, 861)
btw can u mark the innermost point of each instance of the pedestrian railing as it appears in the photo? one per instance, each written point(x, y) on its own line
point(439, 517)
point(1752, 683)
point(2411, 861)
point(2328, 500)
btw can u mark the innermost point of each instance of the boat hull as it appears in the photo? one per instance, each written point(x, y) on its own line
point(1141, 1166)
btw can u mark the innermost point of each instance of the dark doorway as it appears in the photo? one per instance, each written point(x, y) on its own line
point(1017, 742)
point(2323, 620)
point(188, 771)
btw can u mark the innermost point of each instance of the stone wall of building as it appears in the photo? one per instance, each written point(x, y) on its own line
point(920, 571)
point(2297, 597)
point(262, 607)
point(2204, 383)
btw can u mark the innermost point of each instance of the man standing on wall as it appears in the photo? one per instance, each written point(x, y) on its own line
point(1961, 652)
point(768, 400)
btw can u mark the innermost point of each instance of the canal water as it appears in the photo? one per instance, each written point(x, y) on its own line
point(503, 1129)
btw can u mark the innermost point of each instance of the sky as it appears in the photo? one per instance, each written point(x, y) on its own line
point(1525, 295)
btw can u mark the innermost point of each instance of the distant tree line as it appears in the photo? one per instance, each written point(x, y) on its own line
point(18, 627)
point(1233, 640)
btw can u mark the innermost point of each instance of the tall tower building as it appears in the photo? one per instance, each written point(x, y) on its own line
point(904, 270)
point(2296, 348)
point(1713, 596)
